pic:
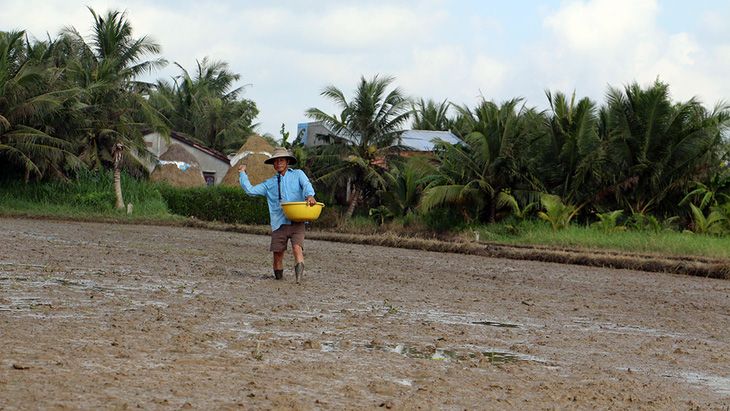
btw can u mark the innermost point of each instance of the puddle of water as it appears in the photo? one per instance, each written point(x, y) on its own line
point(495, 324)
point(607, 327)
point(13, 279)
point(50, 238)
point(68, 283)
point(30, 304)
point(76, 284)
point(328, 346)
point(461, 318)
point(494, 357)
point(718, 384)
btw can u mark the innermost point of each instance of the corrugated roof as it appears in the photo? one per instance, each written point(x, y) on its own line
point(424, 140)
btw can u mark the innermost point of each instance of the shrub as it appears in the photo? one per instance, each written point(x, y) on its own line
point(331, 217)
point(443, 220)
point(555, 212)
point(216, 203)
point(608, 222)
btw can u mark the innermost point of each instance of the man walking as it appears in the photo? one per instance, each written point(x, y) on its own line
point(288, 185)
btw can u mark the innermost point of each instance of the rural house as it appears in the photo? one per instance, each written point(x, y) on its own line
point(213, 163)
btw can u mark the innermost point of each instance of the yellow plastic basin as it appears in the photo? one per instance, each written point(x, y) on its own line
point(300, 212)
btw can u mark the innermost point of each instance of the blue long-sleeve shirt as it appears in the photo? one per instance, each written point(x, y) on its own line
point(295, 186)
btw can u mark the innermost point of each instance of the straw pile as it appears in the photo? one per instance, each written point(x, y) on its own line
point(178, 168)
point(253, 153)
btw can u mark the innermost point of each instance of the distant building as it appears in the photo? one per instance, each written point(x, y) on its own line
point(425, 140)
point(311, 134)
point(213, 163)
point(421, 141)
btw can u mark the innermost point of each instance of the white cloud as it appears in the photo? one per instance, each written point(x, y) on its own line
point(681, 49)
point(347, 28)
point(368, 26)
point(489, 74)
point(434, 73)
point(602, 24)
point(599, 43)
point(38, 17)
point(439, 49)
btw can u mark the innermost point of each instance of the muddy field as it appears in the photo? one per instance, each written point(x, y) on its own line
point(128, 316)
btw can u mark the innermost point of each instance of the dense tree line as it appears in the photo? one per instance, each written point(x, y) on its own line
point(640, 155)
point(68, 103)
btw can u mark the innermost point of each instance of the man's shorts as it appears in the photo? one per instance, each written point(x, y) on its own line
point(280, 237)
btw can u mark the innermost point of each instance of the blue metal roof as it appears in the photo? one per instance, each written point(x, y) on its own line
point(424, 140)
point(417, 140)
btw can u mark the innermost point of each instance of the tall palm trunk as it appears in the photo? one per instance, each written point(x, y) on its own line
point(356, 195)
point(118, 148)
point(492, 210)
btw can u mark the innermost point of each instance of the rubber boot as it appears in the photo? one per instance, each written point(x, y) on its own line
point(298, 272)
point(279, 274)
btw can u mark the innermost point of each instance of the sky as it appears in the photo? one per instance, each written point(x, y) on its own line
point(463, 51)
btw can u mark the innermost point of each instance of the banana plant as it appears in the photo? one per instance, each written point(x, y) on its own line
point(722, 212)
point(706, 225)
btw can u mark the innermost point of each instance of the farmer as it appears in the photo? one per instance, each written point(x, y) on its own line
point(287, 185)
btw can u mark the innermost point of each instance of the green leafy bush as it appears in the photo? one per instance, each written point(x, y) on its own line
point(216, 203)
point(444, 220)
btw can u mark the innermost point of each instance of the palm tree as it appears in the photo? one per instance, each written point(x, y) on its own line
point(112, 40)
point(429, 115)
point(31, 97)
point(114, 109)
point(405, 182)
point(656, 148)
point(556, 212)
point(365, 133)
point(494, 160)
point(206, 107)
point(570, 154)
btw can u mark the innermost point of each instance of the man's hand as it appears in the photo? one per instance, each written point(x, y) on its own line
point(311, 201)
point(242, 167)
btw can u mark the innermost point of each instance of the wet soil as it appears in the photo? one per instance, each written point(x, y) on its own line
point(96, 315)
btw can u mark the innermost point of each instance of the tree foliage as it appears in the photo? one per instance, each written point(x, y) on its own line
point(206, 105)
point(473, 175)
point(365, 136)
point(72, 102)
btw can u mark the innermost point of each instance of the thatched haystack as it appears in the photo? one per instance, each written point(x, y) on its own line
point(253, 154)
point(178, 168)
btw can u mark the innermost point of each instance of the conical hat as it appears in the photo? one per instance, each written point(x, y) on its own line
point(281, 152)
